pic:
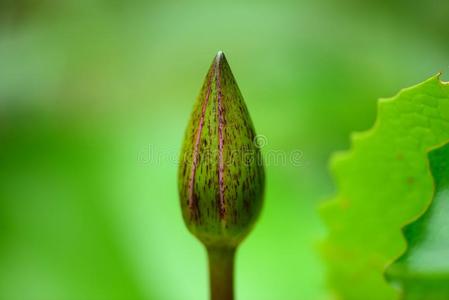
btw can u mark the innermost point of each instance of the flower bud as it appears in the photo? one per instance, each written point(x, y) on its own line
point(221, 175)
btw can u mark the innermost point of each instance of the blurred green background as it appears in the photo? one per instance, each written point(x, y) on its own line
point(94, 100)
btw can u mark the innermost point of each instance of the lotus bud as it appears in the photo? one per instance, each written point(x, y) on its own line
point(221, 175)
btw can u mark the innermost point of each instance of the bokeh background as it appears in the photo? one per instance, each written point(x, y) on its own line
point(94, 99)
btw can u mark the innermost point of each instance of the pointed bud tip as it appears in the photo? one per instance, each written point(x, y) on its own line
point(220, 54)
point(220, 57)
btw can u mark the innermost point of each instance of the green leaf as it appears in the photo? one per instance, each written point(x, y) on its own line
point(383, 183)
point(423, 271)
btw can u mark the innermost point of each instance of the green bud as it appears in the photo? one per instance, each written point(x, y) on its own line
point(221, 175)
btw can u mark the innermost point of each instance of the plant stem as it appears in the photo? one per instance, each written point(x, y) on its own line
point(221, 273)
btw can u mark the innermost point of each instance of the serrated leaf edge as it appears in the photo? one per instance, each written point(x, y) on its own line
point(355, 137)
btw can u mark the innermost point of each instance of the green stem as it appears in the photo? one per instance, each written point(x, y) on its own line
point(221, 273)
